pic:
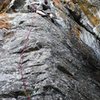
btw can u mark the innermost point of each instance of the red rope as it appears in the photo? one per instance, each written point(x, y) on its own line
point(21, 67)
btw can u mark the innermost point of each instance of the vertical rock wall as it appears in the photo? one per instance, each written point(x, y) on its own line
point(49, 54)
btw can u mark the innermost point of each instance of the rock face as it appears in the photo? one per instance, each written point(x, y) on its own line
point(48, 59)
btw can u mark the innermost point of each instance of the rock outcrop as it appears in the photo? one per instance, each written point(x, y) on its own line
point(49, 56)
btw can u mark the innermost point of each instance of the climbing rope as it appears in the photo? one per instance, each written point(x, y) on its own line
point(21, 59)
point(21, 66)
